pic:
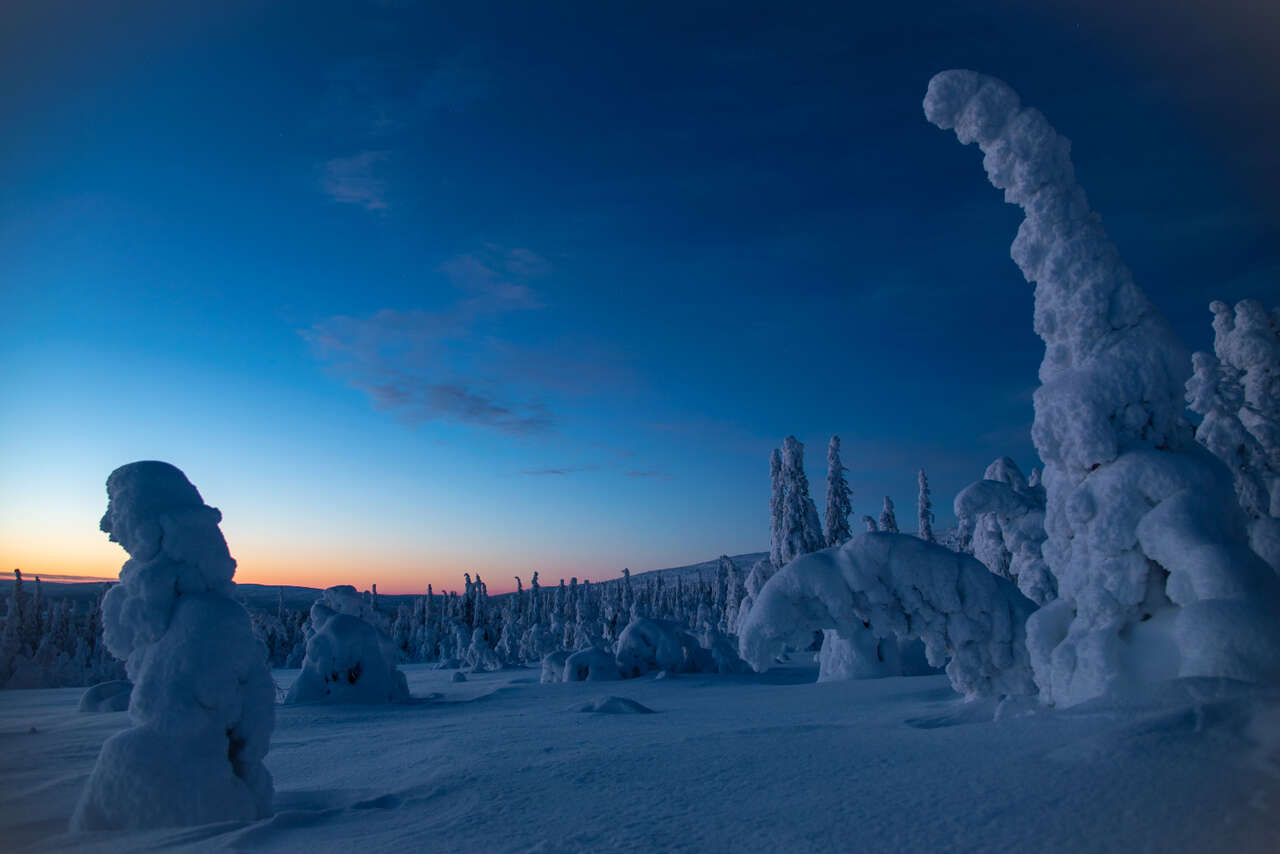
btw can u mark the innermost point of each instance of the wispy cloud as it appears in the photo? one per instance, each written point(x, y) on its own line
point(452, 365)
point(561, 470)
point(354, 180)
point(653, 473)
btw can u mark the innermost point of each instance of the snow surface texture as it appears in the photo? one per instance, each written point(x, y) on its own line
point(897, 586)
point(1001, 523)
point(348, 660)
point(203, 703)
point(1237, 390)
point(1145, 538)
point(754, 764)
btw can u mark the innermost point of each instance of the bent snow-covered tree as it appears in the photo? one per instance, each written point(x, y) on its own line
point(203, 703)
point(900, 587)
point(1237, 390)
point(1145, 538)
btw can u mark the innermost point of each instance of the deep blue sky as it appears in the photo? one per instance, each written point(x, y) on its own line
point(413, 289)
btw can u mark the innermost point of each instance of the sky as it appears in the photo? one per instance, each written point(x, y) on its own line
point(416, 289)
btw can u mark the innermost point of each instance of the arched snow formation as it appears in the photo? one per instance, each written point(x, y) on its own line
point(899, 586)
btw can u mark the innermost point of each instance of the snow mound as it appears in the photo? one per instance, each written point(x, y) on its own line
point(859, 654)
point(614, 706)
point(553, 666)
point(458, 676)
point(1140, 520)
point(646, 645)
point(348, 660)
point(203, 702)
point(110, 696)
point(898, 586)
point(591, 665)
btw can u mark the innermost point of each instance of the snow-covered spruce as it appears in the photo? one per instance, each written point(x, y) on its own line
point(800, 531)
point(1145, 537)
point(888, 519)
point(348, 660)
point(1001, 522)
point(1237, 390)
point(899, 587)
point(856, 653)
point(202, 706)
point(838, 493)
point(924, 509)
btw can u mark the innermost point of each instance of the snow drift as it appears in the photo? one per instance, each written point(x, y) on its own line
point(898, 587)
point(202, 706)
point(1144, 535)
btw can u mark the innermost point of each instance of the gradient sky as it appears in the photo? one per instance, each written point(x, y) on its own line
point(410, 289)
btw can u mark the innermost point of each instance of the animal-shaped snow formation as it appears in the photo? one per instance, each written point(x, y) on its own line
point(203, 703)
point(1237, 390)
point(1000, 521)
point(348, 660)
point(898, 587)
point(1144, 536)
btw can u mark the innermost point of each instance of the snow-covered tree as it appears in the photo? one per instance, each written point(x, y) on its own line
point(838, 493)
point(870, 523)
point(1236, 388)
point(348, 659)
point(899, 587)
point(801, 532)
point(888, 521)
point(777, 491)
point(1000, 521)
point(924, 509)
point(1145, 537)
point(203, 703)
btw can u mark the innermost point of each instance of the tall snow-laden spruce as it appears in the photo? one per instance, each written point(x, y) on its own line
point(838, 492)
point(888, 520)
point(801, 530)
point(777, 490)
point(1237, 390)
point(924, 509)
point(1145, 538)
point(203, 703)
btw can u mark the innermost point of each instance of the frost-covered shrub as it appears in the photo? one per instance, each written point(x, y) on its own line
point(590, 665)
point(1145, 538)
point(553, 666)
point(480, 656)
point(1001, 523)
point(347, 660)
point(898, 586)
point(646, 645)
point(202, 706)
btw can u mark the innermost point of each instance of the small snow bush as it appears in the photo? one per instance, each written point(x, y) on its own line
point(1001, 523)
point(347, 660)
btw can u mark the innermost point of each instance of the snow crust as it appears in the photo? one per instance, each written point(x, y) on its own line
point(1138, 518)
point(348, 660)
point(899, 587)
point(203, 702)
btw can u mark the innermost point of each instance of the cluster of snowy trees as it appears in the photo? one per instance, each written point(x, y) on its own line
point(52, 644)
point(1147, 550)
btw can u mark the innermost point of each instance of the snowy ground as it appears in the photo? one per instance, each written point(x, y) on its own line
point(773, 763)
